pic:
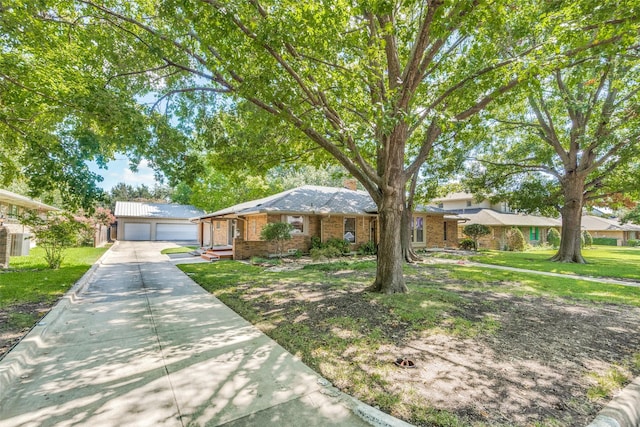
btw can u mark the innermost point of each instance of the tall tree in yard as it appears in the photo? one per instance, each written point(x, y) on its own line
point(374, 84)
point(575, 139)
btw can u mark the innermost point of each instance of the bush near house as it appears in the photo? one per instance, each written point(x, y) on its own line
point(467, 244)
point(587, 240)
point(633, 242)
point(515, 240)
point(475, 231)
point(277, 232)
point(606, 241)
point(553, 237)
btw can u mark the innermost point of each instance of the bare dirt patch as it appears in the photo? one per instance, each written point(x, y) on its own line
point(535, 367)
point(16, 320)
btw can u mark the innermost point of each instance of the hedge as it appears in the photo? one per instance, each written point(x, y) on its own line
point(606, 241)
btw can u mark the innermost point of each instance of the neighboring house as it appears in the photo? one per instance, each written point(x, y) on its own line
point(314, 211)
point(610, 227)
point(13, 205)
point(156, 221)
point(499, 218)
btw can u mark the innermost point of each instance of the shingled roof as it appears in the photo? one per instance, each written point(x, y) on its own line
point(596, 223)
point(308, 199)
point(490, 217)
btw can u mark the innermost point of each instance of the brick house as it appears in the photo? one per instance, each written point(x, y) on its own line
point(314, 211)
point(499, 217)
point(599, 226)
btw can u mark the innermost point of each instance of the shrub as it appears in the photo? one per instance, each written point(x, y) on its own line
point(606, 241)
point(326, 252)
point(475, 231)
point(341, 245)
point(515, 240)
point(368, 248)
point(633, 242)
point(553, 237)
point(587, 240)
point(316, 242)
point(277, 232)
point(467, 244)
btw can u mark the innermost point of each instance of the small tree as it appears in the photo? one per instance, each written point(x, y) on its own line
point(515, 240)
point(475, 231)
point(553, 237)
point(55, 233)
point(277, 232)
point(587, 240)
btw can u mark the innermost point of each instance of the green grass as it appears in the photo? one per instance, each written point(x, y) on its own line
point(29, 280)
point(516, 283)
point(602, 261)
point(178, 250)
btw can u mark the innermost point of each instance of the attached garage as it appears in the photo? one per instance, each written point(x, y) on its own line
point(176, 231)
point(137, 231)
point(156, 221)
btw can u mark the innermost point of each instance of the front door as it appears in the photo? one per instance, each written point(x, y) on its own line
point(232, 231)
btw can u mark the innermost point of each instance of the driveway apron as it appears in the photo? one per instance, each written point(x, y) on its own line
point(138, 343)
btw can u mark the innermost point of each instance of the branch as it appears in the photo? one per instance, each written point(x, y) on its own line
point(133, 73)
point(189, 89)
point(548, 131)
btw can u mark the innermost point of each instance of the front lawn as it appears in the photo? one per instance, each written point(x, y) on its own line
point(603, 261)
point(28, 289)
point(490, 347)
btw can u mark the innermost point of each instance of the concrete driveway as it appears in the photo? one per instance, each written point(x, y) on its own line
point(138, 343)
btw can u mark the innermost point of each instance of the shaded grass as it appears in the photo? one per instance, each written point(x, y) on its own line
point(350, 326)
point(603, 261)
point(29, 280)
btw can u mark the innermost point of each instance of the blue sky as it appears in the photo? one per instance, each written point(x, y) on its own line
point(118, 171)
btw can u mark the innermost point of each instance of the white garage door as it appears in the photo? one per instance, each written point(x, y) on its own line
point(137, 231)
point(187, 232)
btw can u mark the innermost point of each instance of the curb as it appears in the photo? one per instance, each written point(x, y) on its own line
point(623, 410)
point(15, 365)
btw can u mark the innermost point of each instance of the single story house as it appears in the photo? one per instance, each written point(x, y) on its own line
point(12, 205)
point(314, 211)
point(534, 228)
point(156, 221)
point(610, 227)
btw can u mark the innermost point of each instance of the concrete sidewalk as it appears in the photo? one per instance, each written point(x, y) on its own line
point(138, 343)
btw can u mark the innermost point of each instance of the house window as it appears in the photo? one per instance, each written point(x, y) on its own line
point(534, 233)
point(13, 211)
point(297, 221)
point(417, 229)
point(254, 226)
point(445, 231)
point(350, 230)
point(218, 225)
point(441, 205)
point(468, 203)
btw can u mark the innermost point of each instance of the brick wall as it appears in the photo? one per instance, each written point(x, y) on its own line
point(245, 249)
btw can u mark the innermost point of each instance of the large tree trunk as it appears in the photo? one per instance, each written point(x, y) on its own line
point(389, 275)
point(571, 244)
point(405, 228)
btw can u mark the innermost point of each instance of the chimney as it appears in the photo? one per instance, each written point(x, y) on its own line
point(351, 184)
